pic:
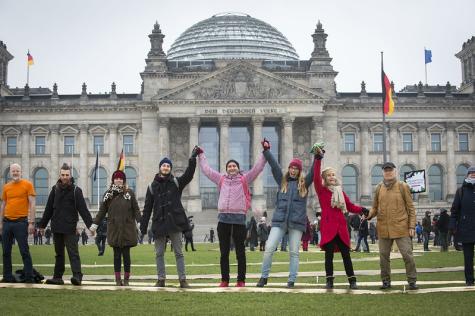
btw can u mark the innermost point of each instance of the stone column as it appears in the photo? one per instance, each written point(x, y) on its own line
point(332, 138)
point(365, 172)
point(421, 142)
point(54, 153)
point(25, 152)
point(393, 143)
point(163, 138)
point(258, 199)
point(223, 142)
point(317, 129)
point(287, 140)
point(194, 200)
point(451, 173)
point(113, 153)
point(84, 164)
point(148, 151)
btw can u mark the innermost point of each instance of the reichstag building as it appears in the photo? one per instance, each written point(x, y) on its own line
point(227, 82)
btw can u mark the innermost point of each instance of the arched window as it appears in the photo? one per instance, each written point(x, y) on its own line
point(376, 175)
point(403, 170)
point(461, 174)
point(40, 182)
point(131, 175)
point(435, 183)
point(99, 186)
point(349, 176)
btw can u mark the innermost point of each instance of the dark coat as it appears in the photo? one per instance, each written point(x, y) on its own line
point(462, 217)
point(164, 199)
point(426, 224)
point(252, 231)
point(291, 208)
point(363, 229)
point(62, 209)
point(122, 214)
point(443, 222)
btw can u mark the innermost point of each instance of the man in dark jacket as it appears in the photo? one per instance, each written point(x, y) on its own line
point(363, 235)
point(65, 201)
point(462, 221)
point(189, 235)
point(101, 236)
point(163, 198)
point(426, 229)
point(443, 226)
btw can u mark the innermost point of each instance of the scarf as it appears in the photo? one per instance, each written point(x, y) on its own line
point(338, 200)
point(113, 191)
point(470, 180)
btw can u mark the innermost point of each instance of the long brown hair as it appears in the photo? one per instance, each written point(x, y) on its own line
point(300, 184)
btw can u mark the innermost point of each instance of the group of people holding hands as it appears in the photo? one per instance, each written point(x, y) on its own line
point(392, 205)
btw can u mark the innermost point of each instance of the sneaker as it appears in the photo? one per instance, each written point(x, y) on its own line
point(386, 285)
point(184, 284)
point(329, 284)
point(413, 286)
point(290, 285)
point(76, 280)
point(240, 284)
point(353, 285)
point(262, 282)
point(55, 281)
point(224, 284)
point(160, 283)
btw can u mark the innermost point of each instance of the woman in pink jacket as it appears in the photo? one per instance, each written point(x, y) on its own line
point(233, 204)
point(333, 228)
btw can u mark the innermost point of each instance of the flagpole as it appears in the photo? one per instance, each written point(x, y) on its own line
point(384, 118)
point(425, 65)
point(28, 71)
point(98, 179)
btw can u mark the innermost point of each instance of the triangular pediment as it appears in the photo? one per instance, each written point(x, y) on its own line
point(240, 80)
point(68, 130)
point(127, 129)
point(39, 131)
point(98, 130)
point(11, 131)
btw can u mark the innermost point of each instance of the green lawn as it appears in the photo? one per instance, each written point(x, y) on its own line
point(60, 302)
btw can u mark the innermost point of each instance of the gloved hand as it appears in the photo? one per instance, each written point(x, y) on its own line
point(365, 211)
point(317, 150)
point(265, 144)
point(196, 151)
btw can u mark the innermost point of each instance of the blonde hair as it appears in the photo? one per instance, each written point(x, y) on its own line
point(300, 184)
point(325, 173)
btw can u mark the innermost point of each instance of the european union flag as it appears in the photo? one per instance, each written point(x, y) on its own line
point(428, 55)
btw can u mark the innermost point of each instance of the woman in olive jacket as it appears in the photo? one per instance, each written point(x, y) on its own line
point(121, 206)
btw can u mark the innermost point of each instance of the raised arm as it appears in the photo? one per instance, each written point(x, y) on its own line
point(256, 169)
point(309, 176)
point(187, 176)
point(317, 177)
point(209, 172)
point(275, 167)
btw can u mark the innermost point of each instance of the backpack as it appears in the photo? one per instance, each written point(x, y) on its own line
point(245, 187)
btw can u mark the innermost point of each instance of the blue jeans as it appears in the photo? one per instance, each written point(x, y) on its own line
point(19, 231)
point(275, 235)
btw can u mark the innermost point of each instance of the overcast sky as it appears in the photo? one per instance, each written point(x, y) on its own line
point(99, 42)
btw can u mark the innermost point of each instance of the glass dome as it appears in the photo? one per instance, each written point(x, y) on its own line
point(231, 36)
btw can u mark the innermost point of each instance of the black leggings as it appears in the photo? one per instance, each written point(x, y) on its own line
point(238, 234)
point(118, 254)
point(345, 254)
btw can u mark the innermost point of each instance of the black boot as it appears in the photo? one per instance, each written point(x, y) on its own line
point(329, 284)
point(261, 282)
point(352, 281)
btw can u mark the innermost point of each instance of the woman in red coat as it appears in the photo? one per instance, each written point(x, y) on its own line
point(333, 228)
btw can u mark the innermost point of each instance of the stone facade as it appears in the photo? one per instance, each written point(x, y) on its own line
point(300, 99)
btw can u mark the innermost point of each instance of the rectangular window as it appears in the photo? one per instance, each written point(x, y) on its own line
point(463, 142)
point(40, 145)
point(128, 144)
point(435, 142)
point(99, 144)
point(407, 142)
point(68, 145)
point(378, 142)
point(11, 145)
point(349, 139)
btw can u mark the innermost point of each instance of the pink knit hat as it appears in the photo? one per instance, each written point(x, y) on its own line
point(297, 163)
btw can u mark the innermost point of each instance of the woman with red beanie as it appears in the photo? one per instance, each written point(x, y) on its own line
point(333, 228)
point(122, 209)
point(290, 213)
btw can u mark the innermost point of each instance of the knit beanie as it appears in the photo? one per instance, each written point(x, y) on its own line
point(470, 170)
point(297, 163)
point(165, 160)
point(119, 174)
point(232, 160)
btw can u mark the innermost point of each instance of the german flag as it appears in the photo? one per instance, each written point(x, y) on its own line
point(388, 103)
point(121, 164)
point(30, 59)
